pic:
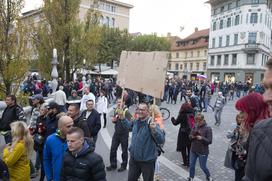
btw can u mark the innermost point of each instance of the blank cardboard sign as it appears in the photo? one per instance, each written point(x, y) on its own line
point(143, 71)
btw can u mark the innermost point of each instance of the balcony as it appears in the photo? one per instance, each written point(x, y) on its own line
point(252, 48)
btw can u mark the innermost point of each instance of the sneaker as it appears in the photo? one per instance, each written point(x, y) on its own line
point(110, 168)
point(209, 179)
point(190, 179)
point(157, 177)
point(121, 169)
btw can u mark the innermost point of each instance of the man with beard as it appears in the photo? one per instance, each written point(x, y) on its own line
point(51, 123)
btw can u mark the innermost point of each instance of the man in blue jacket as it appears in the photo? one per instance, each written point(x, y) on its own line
point(143, 149)
point(54, 149)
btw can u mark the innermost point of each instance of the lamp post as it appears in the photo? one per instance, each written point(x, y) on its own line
point(54, 73)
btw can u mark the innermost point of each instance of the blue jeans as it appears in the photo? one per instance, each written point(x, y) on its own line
point(202, 162)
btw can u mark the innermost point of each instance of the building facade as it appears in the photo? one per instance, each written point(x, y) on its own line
point(189, 55)
point(240, 40)
point(114, 14)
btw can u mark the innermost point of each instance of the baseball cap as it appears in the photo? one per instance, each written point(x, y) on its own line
point(37, 96)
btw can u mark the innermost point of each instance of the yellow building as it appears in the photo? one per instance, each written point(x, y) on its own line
point(113, 13)
point(189, 55)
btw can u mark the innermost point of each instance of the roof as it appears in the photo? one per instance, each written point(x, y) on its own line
point(173, 40)
point(198, 39)
point(119, 3)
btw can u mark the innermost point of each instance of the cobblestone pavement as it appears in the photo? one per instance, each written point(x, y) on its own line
point(170, 167)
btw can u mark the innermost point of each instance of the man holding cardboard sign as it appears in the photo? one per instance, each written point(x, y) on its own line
point(146, 134)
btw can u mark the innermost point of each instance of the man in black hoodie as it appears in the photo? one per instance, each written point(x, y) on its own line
point(81, 162)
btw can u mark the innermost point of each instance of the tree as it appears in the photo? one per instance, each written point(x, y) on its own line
point(61, 28)
point(14, 54)
point(149, 43)
point(112, 43)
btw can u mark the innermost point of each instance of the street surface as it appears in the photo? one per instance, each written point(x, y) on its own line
point(171, 161)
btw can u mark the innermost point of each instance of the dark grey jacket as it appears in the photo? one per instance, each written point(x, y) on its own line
point(201, 146)
point(259, 160)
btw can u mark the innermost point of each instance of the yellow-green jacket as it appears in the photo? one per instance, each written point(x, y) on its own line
point(17, 162)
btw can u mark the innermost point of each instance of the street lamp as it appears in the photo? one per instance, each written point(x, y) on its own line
point(54, 73)
point(84, 72)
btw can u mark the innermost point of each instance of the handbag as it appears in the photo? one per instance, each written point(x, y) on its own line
point(228, 158)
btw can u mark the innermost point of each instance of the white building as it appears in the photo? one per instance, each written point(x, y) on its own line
point(240, 40)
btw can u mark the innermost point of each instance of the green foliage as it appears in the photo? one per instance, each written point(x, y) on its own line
point(149, 43)
point(14, 54)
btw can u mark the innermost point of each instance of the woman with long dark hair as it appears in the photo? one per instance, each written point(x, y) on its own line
point(184, 119)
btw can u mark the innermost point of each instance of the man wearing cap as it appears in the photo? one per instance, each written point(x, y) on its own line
point(51, 123)
point(37, 101)
point(13, 112)
point(74, 96)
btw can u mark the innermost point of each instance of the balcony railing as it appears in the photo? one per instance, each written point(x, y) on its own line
point(252, 47)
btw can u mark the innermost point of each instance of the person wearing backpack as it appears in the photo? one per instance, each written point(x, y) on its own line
point(183, 141)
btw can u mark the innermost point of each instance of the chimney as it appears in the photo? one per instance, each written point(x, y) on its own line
point(196, 29)
point(168, 34)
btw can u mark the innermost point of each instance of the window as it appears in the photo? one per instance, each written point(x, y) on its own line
point(237, 19)
point(177, 66)
point(169, 66)
point(255, 1)
point(186, 54)
point(177, 55)
point(220, 41)
point(222, 9)
point(180, 66)
point(101, 20)
point(212, 60)
point(192, 54)
point(204, 66)
point(185, 66)
point(205, 53)
point(250, 58)
point(191, 66)
point(221, 24)
point(214, 26)
point(227, 40)
point(228, 22)
point(238, 3)
point(235, 42)
point(252, 37)
point(113, 22)
point(198, 53)
point(234, 59)
point(229, 6)
point(213, 43)
point(107, 21)
point(197, 66)
point(254, 18)
point(218, 60)
point(226, 60)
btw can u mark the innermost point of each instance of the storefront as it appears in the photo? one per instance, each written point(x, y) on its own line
point(229, 77)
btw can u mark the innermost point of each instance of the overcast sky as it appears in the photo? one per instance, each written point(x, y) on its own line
point(161, 16)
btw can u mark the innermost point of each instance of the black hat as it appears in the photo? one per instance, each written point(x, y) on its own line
point(53, 105)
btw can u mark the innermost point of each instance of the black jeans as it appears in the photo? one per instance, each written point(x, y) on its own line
point(42, 169)
point(116, 141)
point(137, 167)
point(185, 153)
point(105, 118)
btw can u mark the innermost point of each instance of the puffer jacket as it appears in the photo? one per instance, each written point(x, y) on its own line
point(259, 160)
point(84, 166)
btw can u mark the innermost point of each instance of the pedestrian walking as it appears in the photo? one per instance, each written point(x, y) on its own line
point(218, 108)
point(102, 106)
point(201, 137)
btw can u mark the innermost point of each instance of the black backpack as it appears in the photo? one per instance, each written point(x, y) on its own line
point(4, 173)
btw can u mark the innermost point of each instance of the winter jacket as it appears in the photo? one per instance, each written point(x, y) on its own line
point(53, 152)
point(102, 105)
point(184, 129)
point(143, 147)
point(201, 146)
point(51, 124)
point(81, 122)
point(94, 122)
point(84, 166)
point(11, 114)
point(17, 162)
point(259, 160)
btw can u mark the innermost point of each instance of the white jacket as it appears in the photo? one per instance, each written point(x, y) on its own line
point(84, 99)
point(60, 98)
point(102, 104)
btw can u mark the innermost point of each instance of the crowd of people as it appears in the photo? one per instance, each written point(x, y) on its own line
point(63, 133)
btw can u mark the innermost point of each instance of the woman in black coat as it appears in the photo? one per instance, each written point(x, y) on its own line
point(186, 113)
